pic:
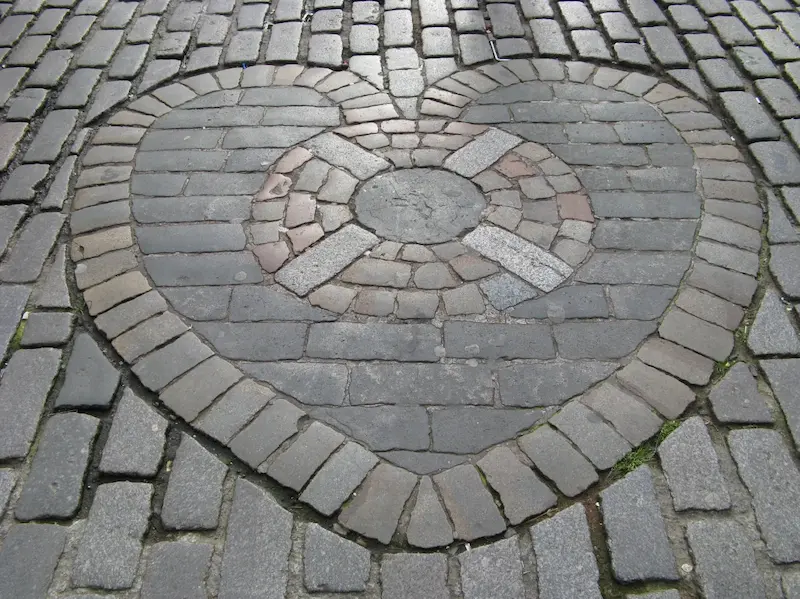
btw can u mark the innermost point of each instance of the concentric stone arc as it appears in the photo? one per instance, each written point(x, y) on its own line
point(568, 341)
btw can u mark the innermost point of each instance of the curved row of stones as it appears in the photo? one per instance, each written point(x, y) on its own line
point(590, 433)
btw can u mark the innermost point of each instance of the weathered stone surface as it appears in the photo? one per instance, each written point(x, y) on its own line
point(565, 561)
point(29, 558)
point(265, 434)
point(637, 538)
point(481, 153)
point(338, 478)
point(160, 367)
point(257, 544)
point(177, 569)
point(736, 397)
point(109, 550)
point(782, 376)
point(523, 494)
point(428, 526)
point(676, 360)
point(630, 416)
point(692, 468)
point(473, 429)
point(373, 341)
point(333, 564)
point(470, 505)
point(408, 575)
point(257, 302)
point(381, 428)
point(600, 340)
point(596, 440)
point(666, 394)
point(309, 383)
point(772, 332)
point(493, 571)
point(91, 380)
point(724, 559)
point(493, 341)
point(55, 483)
point(419, 205)
point(194, 490)
point(558, 460)
point(135, 444)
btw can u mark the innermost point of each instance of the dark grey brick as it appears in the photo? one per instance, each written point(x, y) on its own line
point(782, 265)
point(778, 161)
point(720, 75)
point(771, 332)
point(378, 504)
point(640, 302)
point(12, 28)
point(91, 379)
point(258, 440)
point(157, 369)
point(470, 505)
point(135, 444)
point(522, 493)
point(255, 341)
point(194, 490)
point(565, 562)
point(732, 31)
point(634, 421)
point(22, 182)
point(735, 287)
point(600, 340)
point(492, 341)
point(549, 384)
point(23, 107)
point(374, 341)
point(333, 564)
point(99, 50)
point(381, 428)
point(646, 205)
point(47, 329)
point(222, 268)
point(190, 238)
point(128, 62)
point(736, 397)
point(644, 235)
point(724, 560)
point(27, 51)
point(99, 217)
point(622, 111)
point(9, 80)
point(596, 440)
point(24, 262)
point(50, 70)
point(109, 550)
point(29, 558)
point(493, 570)
point(637, 538)
point(575, 301)
point(295, 466)
point(257, 544)
point(55, 483)
point(53, 132)
point(473, 429)
point(558, 460)
point(177, 569)
point(338, 478)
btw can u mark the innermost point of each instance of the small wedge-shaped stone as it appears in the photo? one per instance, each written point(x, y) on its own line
point(428, 526)
point(772, 332)
point(470, 504)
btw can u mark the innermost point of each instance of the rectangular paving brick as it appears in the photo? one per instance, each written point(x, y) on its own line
point(257, 544)
point(24, 262)
point(353, 341)
point(55, 483)
point(228, 415)
point(255, 341)
point(493, 341)
point(109, 550)
point(162, 366)
point(53, 132)
point(195, 391)
point(558, 460)
point(295, 466)
point(434, 384)
point(13, 299)
point(220, 268)
point(347, 155)
point(26, 382)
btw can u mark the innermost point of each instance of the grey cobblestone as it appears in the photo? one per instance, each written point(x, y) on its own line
point(29, 558)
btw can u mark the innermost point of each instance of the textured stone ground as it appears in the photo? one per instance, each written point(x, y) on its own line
point(392, 300)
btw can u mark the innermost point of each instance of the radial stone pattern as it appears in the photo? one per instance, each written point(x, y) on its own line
point(423, 302)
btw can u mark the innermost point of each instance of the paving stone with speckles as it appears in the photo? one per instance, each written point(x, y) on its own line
point(783, 378)
point(177, 569)
point(257, 544)
point(333, 564)
point(493, 571)
point(55, 483)
point(91, 379)
point(565, 563)
point(724, 560)
point(635, 527)
point(157, 369)
point(412, 575)
point(664, 393)
point(772, 332)
point(596, 440)
point(629, 415)
point(109, 549)
point(429, 525)
point(135, 444)
point(194, 490)
point(691, 466)
point(29, 558)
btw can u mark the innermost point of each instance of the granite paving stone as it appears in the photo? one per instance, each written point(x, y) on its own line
point(274, 424)
point(338, 478)
point(109, 549)
point(472, 429)
point(428, 525)
point(332, 563)
point(311, 384)
point(493, 571)
point(566, 566)
point(470, 505)
point(54, 486)
point(558, 460)
point(782, 378)
point(135, 443)
point(381, 427)
point(677, 361)
point(667, 395)
point(177, 568)
point(29, 558)
point(596, 440)
point(24, 262)
point(692, 469)
point(548, 384)
point(194, 491)
point(408, 575)
point(47, 329)
point(523, 494)
point(91, 379)
point(772, 332)
point(257, 544)
point(158, 368)
point(736, 398)
point(724, 559)
point(629, 415)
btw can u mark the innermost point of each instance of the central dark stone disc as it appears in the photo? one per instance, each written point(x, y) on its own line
point(419, 205)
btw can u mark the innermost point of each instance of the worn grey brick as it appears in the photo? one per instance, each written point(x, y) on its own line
point(558, 460)
point(177, 569)
point(25, 260)
point(338, 478)
point(333, 564)
point(53, 132)
point(135, 444)
point(29, 558)
point(91, 379)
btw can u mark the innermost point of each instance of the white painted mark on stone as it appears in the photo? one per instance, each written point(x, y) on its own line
point(326, 259)
point(526, 260)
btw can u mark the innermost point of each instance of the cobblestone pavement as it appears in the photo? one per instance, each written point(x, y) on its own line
point(402, 301)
